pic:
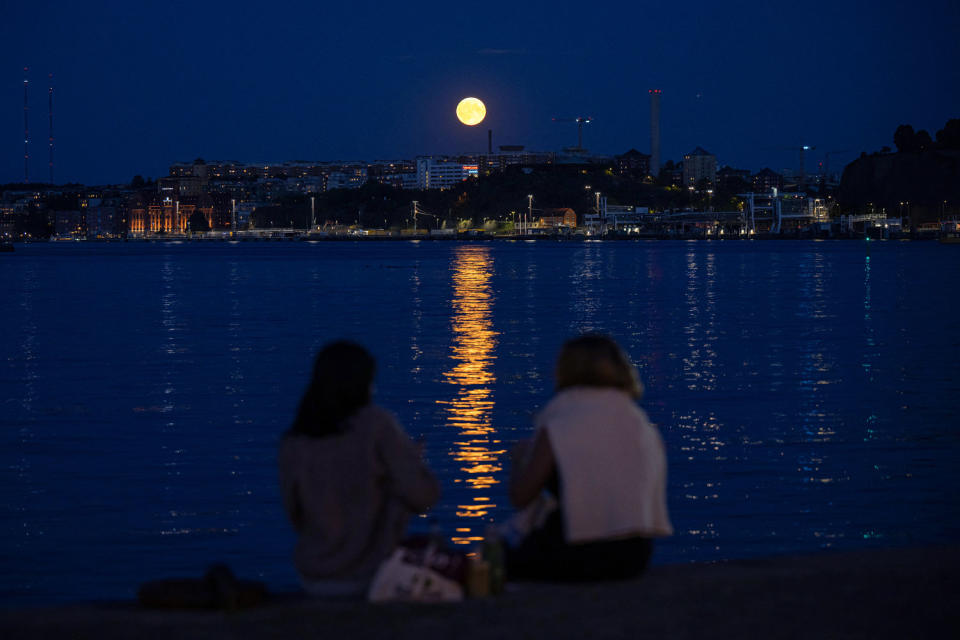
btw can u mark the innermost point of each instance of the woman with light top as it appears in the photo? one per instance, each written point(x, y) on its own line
point(595, 452)
point(350, 476)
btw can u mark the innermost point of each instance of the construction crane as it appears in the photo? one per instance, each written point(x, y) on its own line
point(803, 164)
point(802, 151)
point(580, 120)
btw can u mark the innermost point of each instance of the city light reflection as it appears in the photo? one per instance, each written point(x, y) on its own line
point(477, 451)
point(585, 283)
point(699, 365)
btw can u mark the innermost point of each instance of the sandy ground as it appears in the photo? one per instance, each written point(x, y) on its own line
point(907, 593)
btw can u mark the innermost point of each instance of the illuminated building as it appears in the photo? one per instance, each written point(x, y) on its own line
point(347, 178)
point(440, 174)
point(104, 220)
point(558, 218)
point(176, 187)
point(766, 180)
point(397, 173)
point(699, 165)
point(155, 214)
point(70, 224)
point(514, 155)
point(633, 163)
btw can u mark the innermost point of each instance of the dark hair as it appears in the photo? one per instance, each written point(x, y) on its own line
point(342, 376)
point(594, 360)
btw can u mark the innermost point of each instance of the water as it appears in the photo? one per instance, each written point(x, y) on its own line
point(806, 391)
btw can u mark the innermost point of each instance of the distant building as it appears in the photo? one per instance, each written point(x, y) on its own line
point(176, 187)
point(615, 217)
point(185, 180)
point(70, 224)
point(620, 217)
point(347, 178)
point(699, 165)
point(103, 219)
point(672, 174)
point(153, 214)
point(514, 155)
point(440, 174)
point(730, 179)
point(767, 179)
point(7, 221)
point(791, 177)
point(408, 180)
point(557, 218)
point(245, 212)
point(397, 173)
point(633, 163)
point(307, 184)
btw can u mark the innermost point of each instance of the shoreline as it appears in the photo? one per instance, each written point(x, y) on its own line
point(463, 237)
point(885, 593)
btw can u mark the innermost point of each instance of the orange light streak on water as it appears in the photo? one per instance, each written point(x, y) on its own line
point(478, 451)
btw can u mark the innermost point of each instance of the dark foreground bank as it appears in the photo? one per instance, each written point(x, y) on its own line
point(910, 593)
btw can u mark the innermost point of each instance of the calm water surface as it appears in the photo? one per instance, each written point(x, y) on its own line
point(806, 391)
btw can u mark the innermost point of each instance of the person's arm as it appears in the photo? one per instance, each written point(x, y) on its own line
point(410, 479)
point(290, 489)
point(532, 467)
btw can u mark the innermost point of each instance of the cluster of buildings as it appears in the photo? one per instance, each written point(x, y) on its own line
point(202, 195)
point(94, 213)
point(699, 169)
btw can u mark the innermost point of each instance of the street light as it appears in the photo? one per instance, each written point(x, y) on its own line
point(530, 215)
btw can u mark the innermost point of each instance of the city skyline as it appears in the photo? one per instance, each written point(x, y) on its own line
point(140, 87)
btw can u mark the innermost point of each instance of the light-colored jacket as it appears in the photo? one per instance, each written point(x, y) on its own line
point(349, 495)
point(611, 463)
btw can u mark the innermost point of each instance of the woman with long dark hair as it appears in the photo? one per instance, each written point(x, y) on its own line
point(349, 474)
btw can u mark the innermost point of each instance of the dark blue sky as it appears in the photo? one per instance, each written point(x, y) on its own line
point(142, 84)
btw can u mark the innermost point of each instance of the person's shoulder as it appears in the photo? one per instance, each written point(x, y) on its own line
point(375, 417)
point(290, 439)
point(590, 398)
point(291, 444)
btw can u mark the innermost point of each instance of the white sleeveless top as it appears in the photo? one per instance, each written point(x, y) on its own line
point(611, 463)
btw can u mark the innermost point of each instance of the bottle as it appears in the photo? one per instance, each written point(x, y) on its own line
point(478, 577)
point(493, 555)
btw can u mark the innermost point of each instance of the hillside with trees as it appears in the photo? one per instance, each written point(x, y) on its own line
point(493, 197)
point(924, 171)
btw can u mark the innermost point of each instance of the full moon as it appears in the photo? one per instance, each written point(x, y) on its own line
point(471, 111)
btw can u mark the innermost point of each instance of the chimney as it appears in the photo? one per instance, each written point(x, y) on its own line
point(655, 132)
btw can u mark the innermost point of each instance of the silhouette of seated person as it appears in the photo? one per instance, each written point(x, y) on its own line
point(597, 457)
point(350, 476)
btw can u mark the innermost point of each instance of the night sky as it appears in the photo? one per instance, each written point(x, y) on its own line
point(139, 85)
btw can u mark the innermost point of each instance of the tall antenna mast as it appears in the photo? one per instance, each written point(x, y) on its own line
point(50, 105)
point(26, 128)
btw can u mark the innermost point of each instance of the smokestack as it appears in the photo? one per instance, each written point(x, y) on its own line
point(655, 132)
point(489, 141)
point(26, 128)
point(50, 106)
